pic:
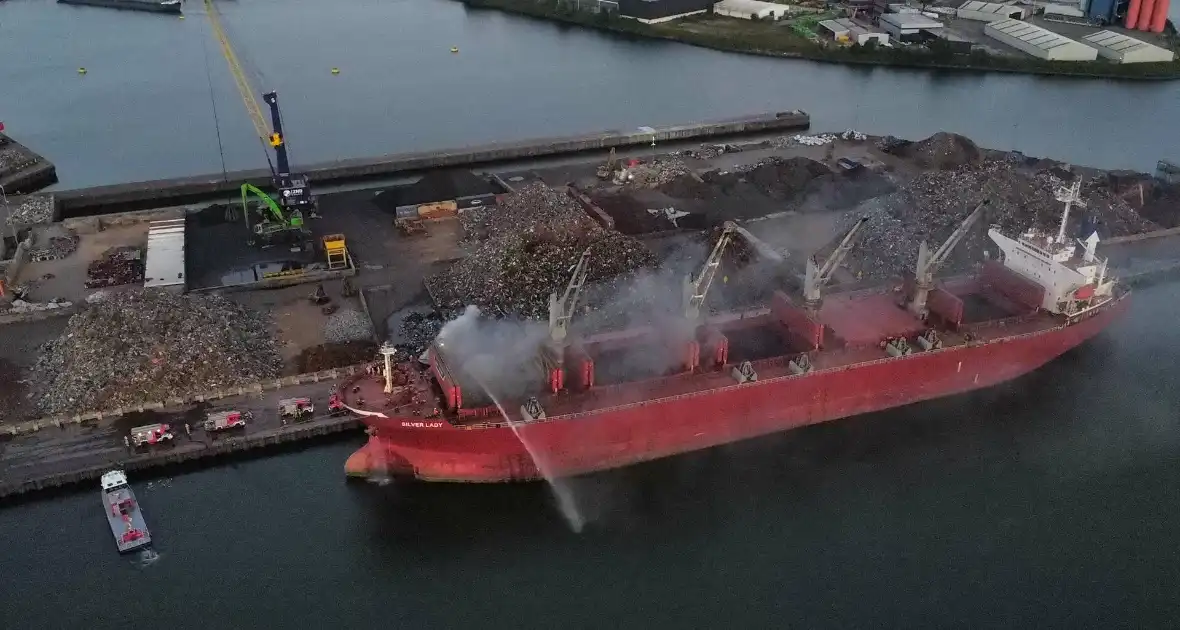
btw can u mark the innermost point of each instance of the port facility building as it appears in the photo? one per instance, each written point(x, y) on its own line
point(1038, 42)
point(907, 27)
point(751, 9)
point(1122, 48)
point(989, 11)
point(845, 30)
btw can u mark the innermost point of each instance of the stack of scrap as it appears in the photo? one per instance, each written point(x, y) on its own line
point(30, 209)
point(116, 266)
point(527, 247)
point(152, 346)
point(933, 204)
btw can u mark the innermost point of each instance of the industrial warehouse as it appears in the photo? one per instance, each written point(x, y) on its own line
point(1079, 31)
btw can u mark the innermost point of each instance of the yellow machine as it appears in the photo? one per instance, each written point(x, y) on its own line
point(336, 251)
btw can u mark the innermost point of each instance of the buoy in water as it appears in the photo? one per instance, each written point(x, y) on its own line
point(182, 17)
point(81, 70)
point(454, 49)
point(335, 70)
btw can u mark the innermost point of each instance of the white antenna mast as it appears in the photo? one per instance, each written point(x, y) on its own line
point(1071, 197)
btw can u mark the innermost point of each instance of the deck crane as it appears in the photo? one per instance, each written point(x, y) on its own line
point(294, 192)
point(928, 263)
point(817, 276)
point(696, 290)
point(561, 310)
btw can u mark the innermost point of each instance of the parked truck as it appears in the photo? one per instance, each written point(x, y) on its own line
point(223, 420)
point(295, 409)
point(151, 434)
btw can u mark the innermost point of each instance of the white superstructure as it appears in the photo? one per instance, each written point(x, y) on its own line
point(1073, 282)
point(113, 479)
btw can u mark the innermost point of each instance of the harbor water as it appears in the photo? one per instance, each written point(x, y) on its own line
point(1050, 502)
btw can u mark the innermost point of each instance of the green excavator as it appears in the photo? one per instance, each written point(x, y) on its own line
point(269, 225)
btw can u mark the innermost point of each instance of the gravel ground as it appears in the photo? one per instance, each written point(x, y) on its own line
point(347, 325)
point(148, 346)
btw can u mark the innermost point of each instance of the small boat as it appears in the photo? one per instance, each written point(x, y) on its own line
point(123, 513)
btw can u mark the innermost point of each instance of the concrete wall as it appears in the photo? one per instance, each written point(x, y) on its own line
point(20, 258)
point(143, 195)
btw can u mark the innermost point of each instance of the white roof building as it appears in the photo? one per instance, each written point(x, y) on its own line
point(899, 25)
point(847, 30)
point(989, 11)
point(1125, 49)
point(747, 9)
point(1038, 42)
point(164, 267)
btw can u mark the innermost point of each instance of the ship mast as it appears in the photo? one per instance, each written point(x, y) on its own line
point(1071, 197)
point(929, 263)
point(818, 276)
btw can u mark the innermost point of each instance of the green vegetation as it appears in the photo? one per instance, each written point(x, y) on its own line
point(795, 39)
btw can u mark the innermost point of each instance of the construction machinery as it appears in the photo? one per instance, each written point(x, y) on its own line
point(295, 201)
point(696, 290)
point(606, 171)
point(929, 263)
point(818, 276)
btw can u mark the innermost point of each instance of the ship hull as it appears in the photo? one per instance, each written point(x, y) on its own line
point(630, 434)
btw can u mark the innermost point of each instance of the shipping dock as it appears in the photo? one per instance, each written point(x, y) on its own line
point(171, 7)
point(22, 170)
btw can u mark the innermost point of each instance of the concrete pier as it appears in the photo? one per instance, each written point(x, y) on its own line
point(191, 190)
point(21, 170)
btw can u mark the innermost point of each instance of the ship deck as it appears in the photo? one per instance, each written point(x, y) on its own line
point(855, 326)
point(119, 526)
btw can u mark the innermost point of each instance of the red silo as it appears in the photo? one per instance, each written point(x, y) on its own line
point(1159, 15)
point(1143, 22)
point(1132, 14)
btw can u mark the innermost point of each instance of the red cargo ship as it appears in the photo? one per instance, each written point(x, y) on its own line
point(745, 374)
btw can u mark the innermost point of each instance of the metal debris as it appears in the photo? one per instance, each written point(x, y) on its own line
point(30, 209)
point(116, 266)
point(54, 247)
point(528, 247)
point(932, 205)
point(347, 325)
point(147, 346)
point(418, 330)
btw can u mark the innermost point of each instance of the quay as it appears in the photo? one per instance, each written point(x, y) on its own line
point(191, 190)
point(22, 170)
point(64, 453)
point(151, 6)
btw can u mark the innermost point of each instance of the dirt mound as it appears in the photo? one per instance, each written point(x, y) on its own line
point(784, 179)
point(631, 216)
point(690, 186)
point(943, 151)
point(333, 355)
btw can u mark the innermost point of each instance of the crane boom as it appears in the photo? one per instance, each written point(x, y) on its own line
point(235, 68)
point(818, 276)
point(561, 311)
point(695, 291)
point(928, 263)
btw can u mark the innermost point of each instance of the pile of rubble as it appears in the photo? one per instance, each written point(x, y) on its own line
point(417, 332)
point(334, 355)
point(54, 246)
point(30, 209)
point(347, 325)
point(153, 346)
point(527, 248)
point(657, 172)
point(933, 204)
point(942, 151)
point(116, 266)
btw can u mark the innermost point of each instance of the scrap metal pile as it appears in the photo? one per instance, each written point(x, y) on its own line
point(116, 266)
point(30, 209)
point(347, 325)
point(527, 247)
point(152, 346)
point(54, 246)
point(932, 205)
point(418, 331)
point(656, 172)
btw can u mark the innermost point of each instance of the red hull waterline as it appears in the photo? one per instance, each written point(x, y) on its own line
point(679, 419)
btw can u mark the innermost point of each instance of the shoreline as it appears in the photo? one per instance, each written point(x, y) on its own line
point(855, 56)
